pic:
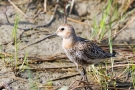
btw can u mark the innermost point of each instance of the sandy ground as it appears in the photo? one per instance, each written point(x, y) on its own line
point(61, 72)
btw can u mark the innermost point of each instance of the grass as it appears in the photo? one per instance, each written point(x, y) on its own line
point(25, 61)
point(16, 47)
point(14, 36)
point(24, 64)
point(132, 68)
point(101, 30)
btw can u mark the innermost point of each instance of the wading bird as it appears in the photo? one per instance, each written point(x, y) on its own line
point(79, 50)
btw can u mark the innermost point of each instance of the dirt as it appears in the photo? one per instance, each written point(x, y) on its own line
point(45, 74)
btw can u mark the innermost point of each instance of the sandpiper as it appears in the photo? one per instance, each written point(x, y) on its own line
point(80, 51)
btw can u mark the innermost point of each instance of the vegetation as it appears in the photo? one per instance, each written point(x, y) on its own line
point(109, 74)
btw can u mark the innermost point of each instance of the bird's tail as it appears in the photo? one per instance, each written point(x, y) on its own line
point(113, 54)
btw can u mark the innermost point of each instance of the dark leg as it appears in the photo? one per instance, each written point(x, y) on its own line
point(85, 75)
point(82, 72)
point(85, 78)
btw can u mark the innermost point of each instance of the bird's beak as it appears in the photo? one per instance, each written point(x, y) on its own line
point(54, 34)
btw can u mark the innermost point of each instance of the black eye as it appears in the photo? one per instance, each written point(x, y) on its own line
point(62, 29)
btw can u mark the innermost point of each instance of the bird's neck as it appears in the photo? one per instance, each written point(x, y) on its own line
point(69, 42)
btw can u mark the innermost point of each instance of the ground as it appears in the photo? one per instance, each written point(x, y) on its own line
point(46, 66)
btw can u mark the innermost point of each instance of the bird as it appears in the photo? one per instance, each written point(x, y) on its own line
point(82, 52)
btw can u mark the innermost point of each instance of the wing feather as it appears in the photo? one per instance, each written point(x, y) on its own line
point(89, 50)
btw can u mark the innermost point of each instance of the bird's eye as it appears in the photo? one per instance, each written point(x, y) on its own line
point(62, 29)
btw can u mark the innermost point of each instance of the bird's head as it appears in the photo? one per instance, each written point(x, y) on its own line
point(65, 31)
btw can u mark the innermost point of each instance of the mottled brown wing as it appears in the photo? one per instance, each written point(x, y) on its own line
point(91, 50)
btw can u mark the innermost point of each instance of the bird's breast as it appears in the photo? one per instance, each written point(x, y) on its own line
point(67, 44)
point(69, 54)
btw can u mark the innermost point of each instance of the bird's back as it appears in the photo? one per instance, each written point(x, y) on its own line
point(86, 52)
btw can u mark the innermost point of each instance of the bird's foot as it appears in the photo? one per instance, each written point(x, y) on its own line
point(80, 84)
point(84, 79)
point(85, 83)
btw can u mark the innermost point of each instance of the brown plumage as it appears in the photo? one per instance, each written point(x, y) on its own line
point(79, 50)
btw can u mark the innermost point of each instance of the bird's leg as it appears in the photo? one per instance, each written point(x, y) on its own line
point(85, 78)
point(83, 74)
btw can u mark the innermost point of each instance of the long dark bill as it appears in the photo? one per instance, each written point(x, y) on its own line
point(54, 34)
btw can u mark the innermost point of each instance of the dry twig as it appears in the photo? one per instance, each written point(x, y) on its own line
point(5, 10)
point(71, 7)
point(42, 58)
point(47, 24)
point(65, 77)
point(128, 23)
point(45, 5)
point(26, 16)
